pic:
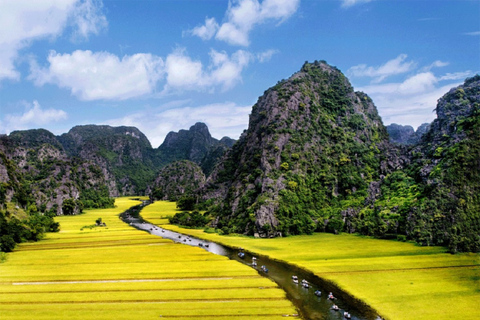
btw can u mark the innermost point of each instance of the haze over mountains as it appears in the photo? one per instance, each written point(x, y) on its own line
point(315, 157)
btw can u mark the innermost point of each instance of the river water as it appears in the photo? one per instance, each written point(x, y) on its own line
point(309, 305)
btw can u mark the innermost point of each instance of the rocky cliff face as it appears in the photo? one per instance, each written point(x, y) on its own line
point(91, 163)
point(196, 145)
point(35, 169)
point(406, 134)
point(446, 162)
point(176, 180)
point(123, 153)
point(311, 143)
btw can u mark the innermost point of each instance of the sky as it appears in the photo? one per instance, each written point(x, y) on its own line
point(163, 65)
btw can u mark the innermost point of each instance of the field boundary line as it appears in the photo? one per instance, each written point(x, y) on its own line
point(399, 270)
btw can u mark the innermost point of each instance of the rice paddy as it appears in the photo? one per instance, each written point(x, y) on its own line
point(118, 272)
point(400, 280)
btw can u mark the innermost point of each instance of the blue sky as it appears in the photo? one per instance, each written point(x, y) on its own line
point(163, 65)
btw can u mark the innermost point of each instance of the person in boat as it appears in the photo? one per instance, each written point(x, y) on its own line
point(335, 307)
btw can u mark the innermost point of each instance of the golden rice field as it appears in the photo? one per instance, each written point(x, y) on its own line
point(118, 272)
point(400, 280)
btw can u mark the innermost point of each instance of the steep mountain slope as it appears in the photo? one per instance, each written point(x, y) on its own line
point(406, 134)
point(196, 145)
point(311, 150)
point(124, 154)
point(35, 170)
point(447, 166)
point(177, 179)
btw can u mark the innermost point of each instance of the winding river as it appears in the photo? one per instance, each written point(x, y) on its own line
point(308, 301)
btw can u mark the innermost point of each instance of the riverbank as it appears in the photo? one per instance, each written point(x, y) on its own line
point(118, 272)
point(400, 280)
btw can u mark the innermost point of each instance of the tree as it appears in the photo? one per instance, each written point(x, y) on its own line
point(186, 203)
point(7, 244)
point(68, 207)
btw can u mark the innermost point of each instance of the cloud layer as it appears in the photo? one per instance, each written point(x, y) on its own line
point(100, 75)
point(242, 16)
point(33, 116)
point(43, 19)
point(104, 76)
point(412, 100)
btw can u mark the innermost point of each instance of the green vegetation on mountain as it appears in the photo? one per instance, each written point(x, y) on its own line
point(178, 179)
point(316, 157)
point(311, 150)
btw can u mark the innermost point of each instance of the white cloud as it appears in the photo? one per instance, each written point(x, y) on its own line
point(34, 116)
point(419, 83)
point(456, 75)
point(88, 19)
point(412, 101)
point(242, 16)
point(390, 68)
point(25, 21)
point(183, 73)
point(206, 31)
point(350, 3)
point(475, 33)
point(222, 119)
point(266, 55)
point(101, 75)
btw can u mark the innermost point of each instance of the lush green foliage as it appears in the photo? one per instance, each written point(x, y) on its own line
point(189, 219)
point(32, 228)
point(316, 157)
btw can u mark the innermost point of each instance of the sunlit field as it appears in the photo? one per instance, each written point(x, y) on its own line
point(118, 272)
point(399, 280)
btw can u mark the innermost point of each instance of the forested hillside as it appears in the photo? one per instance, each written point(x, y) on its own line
point(316, 157)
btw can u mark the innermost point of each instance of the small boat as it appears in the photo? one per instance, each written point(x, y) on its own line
point(254, 264)
point(295, 281)
point(335, 307)
point(206, 245)
point(306, 285)
point(318, 293)
point(200, 244)
point(347, 315)
point(241, 255)
point(294, 277)
point(330, 296)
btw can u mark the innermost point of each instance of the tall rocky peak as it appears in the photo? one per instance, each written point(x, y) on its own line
point(311, 142)
point(447, 162)
point(35, 169)
point(196, 145)
point(105, 136)
point(124, 154)
point(406, 134)
point(177, 179)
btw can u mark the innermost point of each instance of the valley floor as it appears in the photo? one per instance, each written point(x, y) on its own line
point(400, 280)
point(118, 272)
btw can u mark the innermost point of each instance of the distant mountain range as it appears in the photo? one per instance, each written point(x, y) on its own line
point(315, 157)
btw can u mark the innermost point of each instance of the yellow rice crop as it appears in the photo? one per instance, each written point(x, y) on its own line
point(118, 272)
point(400, 280)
